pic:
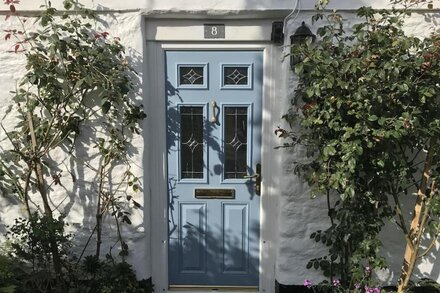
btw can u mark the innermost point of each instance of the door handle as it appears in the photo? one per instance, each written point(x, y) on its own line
point(252, 176)
point(214, 116)
point(257, 177)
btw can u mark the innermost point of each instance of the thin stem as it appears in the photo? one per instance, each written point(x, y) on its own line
point(418, 222)
point(431, 245)
point(118, 229)
point(26, 190)
point(402, 222)
point(86, 245)
point(330, 214)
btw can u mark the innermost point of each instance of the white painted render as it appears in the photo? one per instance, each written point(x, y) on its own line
point(170, 5)
point(127, 26)
point(289, 216)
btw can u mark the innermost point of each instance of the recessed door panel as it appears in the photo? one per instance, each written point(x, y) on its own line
point(235, 238)
point(192, 238)
point(214, 137)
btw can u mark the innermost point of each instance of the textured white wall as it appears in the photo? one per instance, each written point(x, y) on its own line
point(212, 4)
point(80, 207)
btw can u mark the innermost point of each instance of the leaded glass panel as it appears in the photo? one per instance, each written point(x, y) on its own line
point(235, 75)
point(191, 75)
point(235, 142)
point(191, 143)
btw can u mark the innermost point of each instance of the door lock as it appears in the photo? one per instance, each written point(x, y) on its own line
point(257, 177)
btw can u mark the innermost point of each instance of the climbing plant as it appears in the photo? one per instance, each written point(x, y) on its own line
point(74, 109)
point(367, 110)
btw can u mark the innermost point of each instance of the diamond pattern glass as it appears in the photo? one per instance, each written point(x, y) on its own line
point(235, 75)
point(235, 143)
point(191, 75)
point(191, 142)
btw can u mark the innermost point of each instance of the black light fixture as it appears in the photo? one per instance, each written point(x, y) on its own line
point(299, 37)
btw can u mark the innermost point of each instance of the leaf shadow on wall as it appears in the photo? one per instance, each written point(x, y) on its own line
point(432, 259)
point(80, 202)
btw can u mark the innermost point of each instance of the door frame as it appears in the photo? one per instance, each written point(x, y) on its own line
point(155, 152)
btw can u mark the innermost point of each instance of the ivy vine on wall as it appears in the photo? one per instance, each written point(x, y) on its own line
point(74, 109)
point(367, 109)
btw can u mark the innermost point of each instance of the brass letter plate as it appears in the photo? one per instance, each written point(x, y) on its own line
point(214, 193)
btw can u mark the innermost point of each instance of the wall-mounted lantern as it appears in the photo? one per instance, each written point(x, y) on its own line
point(299, 37)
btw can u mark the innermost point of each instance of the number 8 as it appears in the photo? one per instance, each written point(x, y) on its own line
point(214, 31)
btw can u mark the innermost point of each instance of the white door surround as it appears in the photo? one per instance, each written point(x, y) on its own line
point(177, 34)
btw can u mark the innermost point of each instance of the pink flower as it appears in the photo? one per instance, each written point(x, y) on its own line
point(372, 289)
point(7, 2)
point(308, 283)
point(336, 283)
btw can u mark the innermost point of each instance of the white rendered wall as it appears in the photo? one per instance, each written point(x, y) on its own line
point(80, 208)
point(213, 4)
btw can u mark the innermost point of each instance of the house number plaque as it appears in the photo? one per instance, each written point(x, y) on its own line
point(214, 31)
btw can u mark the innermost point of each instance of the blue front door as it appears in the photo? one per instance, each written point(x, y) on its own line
point(214, 137)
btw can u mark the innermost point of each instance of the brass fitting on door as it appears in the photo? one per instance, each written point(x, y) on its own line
point(257, 177)
point(214, 116)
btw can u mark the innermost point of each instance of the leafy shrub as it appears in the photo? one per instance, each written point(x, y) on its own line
point(73, 71)
point(32, 240)
point(9, 269)
point(424, 286)
point(108, 276)
point(366, 111)
point(29, 267)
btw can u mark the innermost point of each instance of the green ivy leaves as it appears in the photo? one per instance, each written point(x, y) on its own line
point(366, 105)
point(77, 99)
